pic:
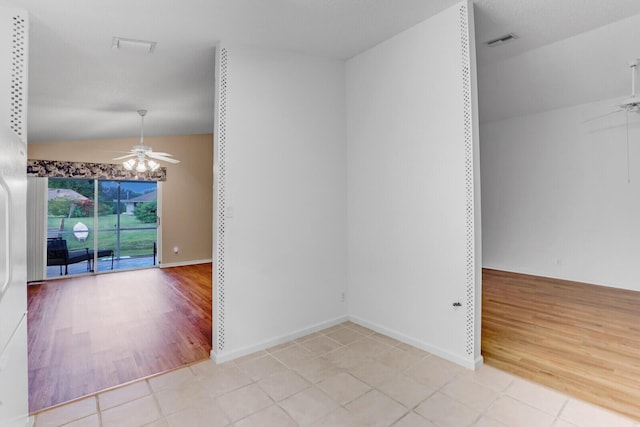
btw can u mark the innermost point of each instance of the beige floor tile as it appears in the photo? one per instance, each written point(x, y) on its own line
point(339, 418)
point(243, 402)
point(374, 373)
point(344, 335)
point(385, 339)
point(209, 367)
point(376, 409)
point(334, 328)
point(413, 350)
point(132, 414)
point(209, 416)
point(369, 346)
point(121, 395)
point(273, 416)
point(433, 371)
point(175, 379)
point(543, 398)
point(310, 337)
point(293, 355)
point(343, 358)
point(308, 406)
point(562, 423)
point(489, 377)
point(406, 390)
point(398, 359)
point(173, 400)
point(317, 369)
point(413, 420)
point(488, 422)
point(343, 388)
point(225, 381)
point(514, 413)
point(158, 423)
point(90, 421)
point(360, 329)
point(586, 415)
point(261, 367)
point(282, 385)
point(67, 413)
point(249, 357)
point(470, 393)
point(447, 412)
point(279, 347)
point(321, 345)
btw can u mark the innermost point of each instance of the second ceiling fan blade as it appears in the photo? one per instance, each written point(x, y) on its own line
point(162, 158)
point(125, 157)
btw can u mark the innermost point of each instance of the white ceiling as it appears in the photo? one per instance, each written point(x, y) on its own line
point(81, 88)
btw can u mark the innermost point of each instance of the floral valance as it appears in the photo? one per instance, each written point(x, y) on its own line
point(116, 172)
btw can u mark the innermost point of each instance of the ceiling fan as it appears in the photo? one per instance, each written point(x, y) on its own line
point(629, 105)
point(141, 155)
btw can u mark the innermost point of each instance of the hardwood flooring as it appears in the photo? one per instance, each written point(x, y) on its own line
point(581, 339)
point(91, 333)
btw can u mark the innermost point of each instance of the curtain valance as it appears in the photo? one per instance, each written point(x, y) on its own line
point(62, 169)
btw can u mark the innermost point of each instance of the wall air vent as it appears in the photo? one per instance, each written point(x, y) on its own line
point(501, 40)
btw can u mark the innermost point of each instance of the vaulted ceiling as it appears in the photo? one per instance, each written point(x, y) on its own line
point(81, 88)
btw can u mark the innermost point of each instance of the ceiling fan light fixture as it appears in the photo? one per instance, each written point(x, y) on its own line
point(153, 166)
point(129, 164)
point(141, 167)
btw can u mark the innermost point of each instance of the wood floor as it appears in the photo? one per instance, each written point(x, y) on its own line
point(90, 333)
point(581, 339)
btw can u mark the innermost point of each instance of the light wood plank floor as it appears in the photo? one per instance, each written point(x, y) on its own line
point(581, 339)
point(91, 333)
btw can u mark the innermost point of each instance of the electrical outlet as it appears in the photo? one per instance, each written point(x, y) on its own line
point(342, 297)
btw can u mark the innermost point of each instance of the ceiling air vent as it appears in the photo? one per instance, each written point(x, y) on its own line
point(133, 45)
point(501, 40)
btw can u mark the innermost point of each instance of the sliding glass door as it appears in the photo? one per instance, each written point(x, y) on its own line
point(129, 233)
point(96, 226)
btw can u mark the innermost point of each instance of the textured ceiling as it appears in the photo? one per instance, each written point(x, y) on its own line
point(80, 88)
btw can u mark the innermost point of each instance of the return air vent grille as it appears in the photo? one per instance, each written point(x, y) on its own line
point(501, 40)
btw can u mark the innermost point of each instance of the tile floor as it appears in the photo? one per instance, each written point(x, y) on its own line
point(346, 375)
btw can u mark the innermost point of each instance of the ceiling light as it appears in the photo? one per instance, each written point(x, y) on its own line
point(129, 164)
point(133, 44)
point(153, 166)
point(501, 40)
point(141, 166)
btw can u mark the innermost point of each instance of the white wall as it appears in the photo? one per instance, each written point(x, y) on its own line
point(285, 178)
point(408, 244)
point(556, 201)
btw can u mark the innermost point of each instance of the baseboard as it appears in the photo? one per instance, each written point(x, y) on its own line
point(183, 263)
point(462, 361)
point(226, 356)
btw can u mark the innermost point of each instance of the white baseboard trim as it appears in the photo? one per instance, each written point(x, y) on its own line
point(183, 263)
point(226, 356)
point(468, 363)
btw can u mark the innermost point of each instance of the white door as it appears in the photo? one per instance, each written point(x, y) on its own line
point(13, 190)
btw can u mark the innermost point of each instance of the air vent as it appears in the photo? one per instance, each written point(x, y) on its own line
point(133, 45)
point(501, 40)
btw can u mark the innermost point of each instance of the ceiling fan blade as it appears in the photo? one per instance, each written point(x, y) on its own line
point(603, 115)
point(124, 157)
point(159, 153)
point(162, 158)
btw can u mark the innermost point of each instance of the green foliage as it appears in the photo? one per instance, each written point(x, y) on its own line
point(146, 212)
point(60, 206)
point(83, 208)
point(82, 186)
point(105, 209)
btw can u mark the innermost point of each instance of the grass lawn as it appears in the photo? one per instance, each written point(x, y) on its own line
point(132, 242)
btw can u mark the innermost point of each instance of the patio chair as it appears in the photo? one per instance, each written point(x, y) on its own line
point(59, 254)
